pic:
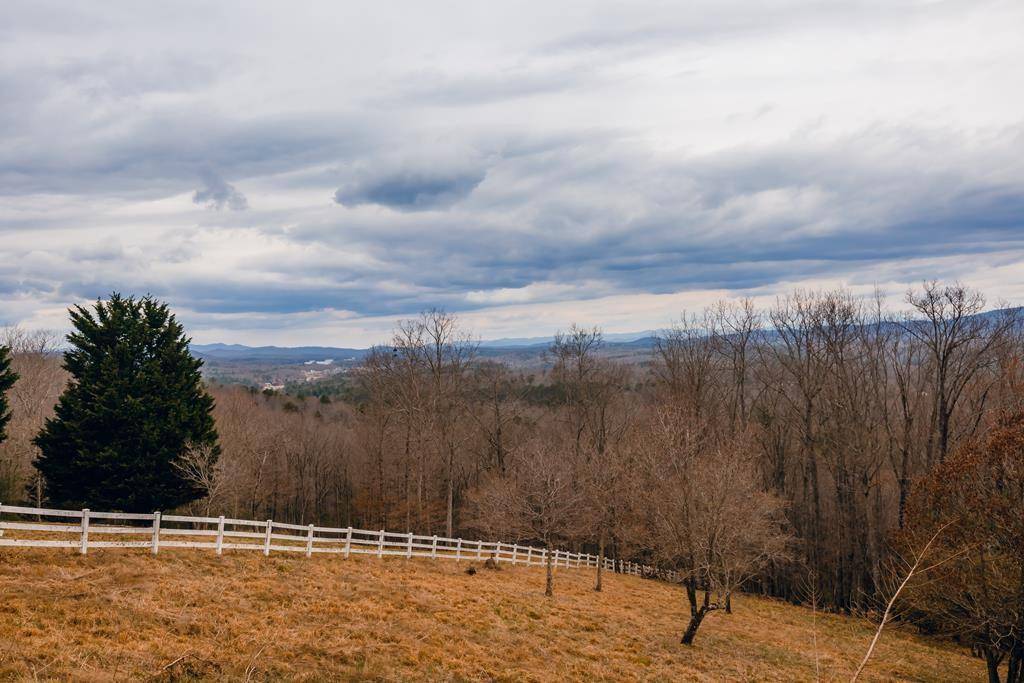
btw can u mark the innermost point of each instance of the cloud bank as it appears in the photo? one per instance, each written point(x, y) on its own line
point(284, 174)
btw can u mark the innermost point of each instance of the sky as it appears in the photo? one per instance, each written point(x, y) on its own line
point(311, 172)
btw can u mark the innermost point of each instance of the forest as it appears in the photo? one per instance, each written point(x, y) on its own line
point(785, 451)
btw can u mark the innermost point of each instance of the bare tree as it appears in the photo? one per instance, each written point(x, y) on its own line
point(591, 388)
point(799, 359)
point(734, 330)
point(606, 478)
point(538, 500)
point(708, 517)
point(686, 366)
point(497, 409)
point(962, 342)
point(35, 359)
point(905, 395)
point(449, 355)
point(200, 466)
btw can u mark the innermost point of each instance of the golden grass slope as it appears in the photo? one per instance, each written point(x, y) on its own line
point(186, 615)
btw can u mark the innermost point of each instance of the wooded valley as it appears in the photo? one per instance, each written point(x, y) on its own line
point(779, 451)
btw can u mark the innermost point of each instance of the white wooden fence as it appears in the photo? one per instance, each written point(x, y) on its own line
point(84, 529)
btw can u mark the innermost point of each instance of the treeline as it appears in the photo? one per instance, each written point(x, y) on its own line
point(794, 433)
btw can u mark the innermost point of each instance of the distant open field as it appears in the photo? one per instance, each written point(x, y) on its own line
point(186, 615)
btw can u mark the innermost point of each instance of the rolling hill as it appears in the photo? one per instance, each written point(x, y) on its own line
point(186, 615)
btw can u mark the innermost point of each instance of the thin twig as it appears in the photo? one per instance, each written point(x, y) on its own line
point(168, 666)
point(892, 600)
point(250, 669)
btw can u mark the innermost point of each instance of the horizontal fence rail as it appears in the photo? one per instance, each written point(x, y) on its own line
point(86, 529)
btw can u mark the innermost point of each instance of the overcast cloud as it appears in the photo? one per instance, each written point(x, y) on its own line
point(308, 173)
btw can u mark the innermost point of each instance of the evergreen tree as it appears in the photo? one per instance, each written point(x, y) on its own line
point(134, 406)
point(7, 379)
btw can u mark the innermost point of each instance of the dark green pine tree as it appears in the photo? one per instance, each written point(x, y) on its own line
point(135, 404)
point(7, 379)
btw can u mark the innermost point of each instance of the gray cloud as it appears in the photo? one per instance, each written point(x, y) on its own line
point(218, 194)
point(411, 190)
point(734, 219)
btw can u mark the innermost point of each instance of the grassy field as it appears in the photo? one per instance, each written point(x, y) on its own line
point(187, 615)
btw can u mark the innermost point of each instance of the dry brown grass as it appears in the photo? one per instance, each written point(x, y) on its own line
point(124, 615)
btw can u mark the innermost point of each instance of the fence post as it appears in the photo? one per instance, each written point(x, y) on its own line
point(515, 553)
point(220, 535)
point(458, 550)
point(1, 515)
point(433, 548)
point(348, 542)
point(408, 547)
point(529, 555)
point(85, 532)
point(497, 552)
point(266, 539)
point(380, 544)
point(479, 550)
point(309, 542)
point(156, 532)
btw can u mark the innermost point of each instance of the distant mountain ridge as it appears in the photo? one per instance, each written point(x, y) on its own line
point(612, 337)
point(240, 353)
point(513, 347)
point(274, 354)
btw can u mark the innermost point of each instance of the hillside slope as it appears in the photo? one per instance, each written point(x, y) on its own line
point(190, 615)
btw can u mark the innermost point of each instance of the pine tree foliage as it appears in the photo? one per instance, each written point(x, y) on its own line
point(134, 407)
point(7, 379)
